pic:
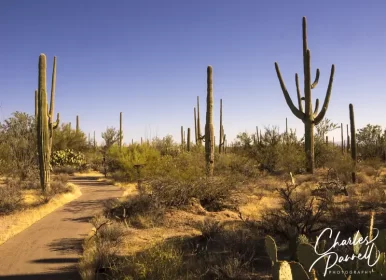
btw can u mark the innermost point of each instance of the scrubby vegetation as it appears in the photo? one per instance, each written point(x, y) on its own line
point(201, 209)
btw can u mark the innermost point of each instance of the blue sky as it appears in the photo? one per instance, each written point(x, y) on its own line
point(148, 59)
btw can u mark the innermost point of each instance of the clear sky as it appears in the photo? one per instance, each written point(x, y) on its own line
point(148, 59)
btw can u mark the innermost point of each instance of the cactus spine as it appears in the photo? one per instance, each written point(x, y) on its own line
point(353, 141)
point(77, 124)
point(45, 123)
point(188, 141)
point(309, 117)
point(209, 128)
point(120, 130)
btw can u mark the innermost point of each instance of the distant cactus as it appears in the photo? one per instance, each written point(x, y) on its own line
point(209, 128)
point(353, 141)
point(188, 141)
point(120, 130)
point(182, 137)
point(221, 142)
point(199, 136)
point(195, 126)
point(309, 117)
point(45, 123)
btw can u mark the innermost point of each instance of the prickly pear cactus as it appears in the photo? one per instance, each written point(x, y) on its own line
point(357, 246)
point(298, 271)
point(282, 271)
point(271, 248)
point(307, 257)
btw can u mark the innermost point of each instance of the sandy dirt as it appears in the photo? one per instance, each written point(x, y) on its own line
point(50, 248)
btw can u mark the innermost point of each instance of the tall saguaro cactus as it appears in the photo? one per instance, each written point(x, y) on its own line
point(353, 141)
point(188, 140)
point(199, 136)
point(221, 142)
point(209, 127)
point(309, 117)
point(195, 126)
point(120, 130)
point(45, 123)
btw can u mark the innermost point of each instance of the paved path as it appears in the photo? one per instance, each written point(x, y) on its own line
point(50, 248)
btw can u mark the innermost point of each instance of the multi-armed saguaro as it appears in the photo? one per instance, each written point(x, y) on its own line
point(309, 117)
point(209, 128)
point(45, 123)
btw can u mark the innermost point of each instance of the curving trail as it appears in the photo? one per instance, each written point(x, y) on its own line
point(50, 248)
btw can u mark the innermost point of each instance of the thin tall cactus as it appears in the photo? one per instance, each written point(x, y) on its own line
point(309, 117)
point(221, 142)
point(209, 127)
point(353, 142)
point(45, 123)
point(188, 140)
point(348, 140)
point(199, 136)
point(120, 130)
point(195, 126)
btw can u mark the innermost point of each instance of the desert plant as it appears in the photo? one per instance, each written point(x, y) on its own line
point(209, 129)
point(45, 123)
point(309, 117)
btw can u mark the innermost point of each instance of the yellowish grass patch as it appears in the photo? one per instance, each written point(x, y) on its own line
point(17, 222)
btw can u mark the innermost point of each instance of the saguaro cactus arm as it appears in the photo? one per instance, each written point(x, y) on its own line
point(299, 114)
point(315, 83)
point(298, 93)
point(316, 107)
point(320, 116)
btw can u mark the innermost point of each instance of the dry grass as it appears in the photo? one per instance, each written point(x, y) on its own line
point(16, 222)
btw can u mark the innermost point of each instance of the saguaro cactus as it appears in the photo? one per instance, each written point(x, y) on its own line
point(45, 123)
point(188, 140)
point(348, 141)
point(353, 141)
point(221, 142)
point(199, 136)
point(209, 128)
point(94, 140)
point(309, 117)
point(120, 130)
point(195, 126)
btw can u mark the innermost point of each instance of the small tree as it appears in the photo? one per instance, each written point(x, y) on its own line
point(18, 149)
